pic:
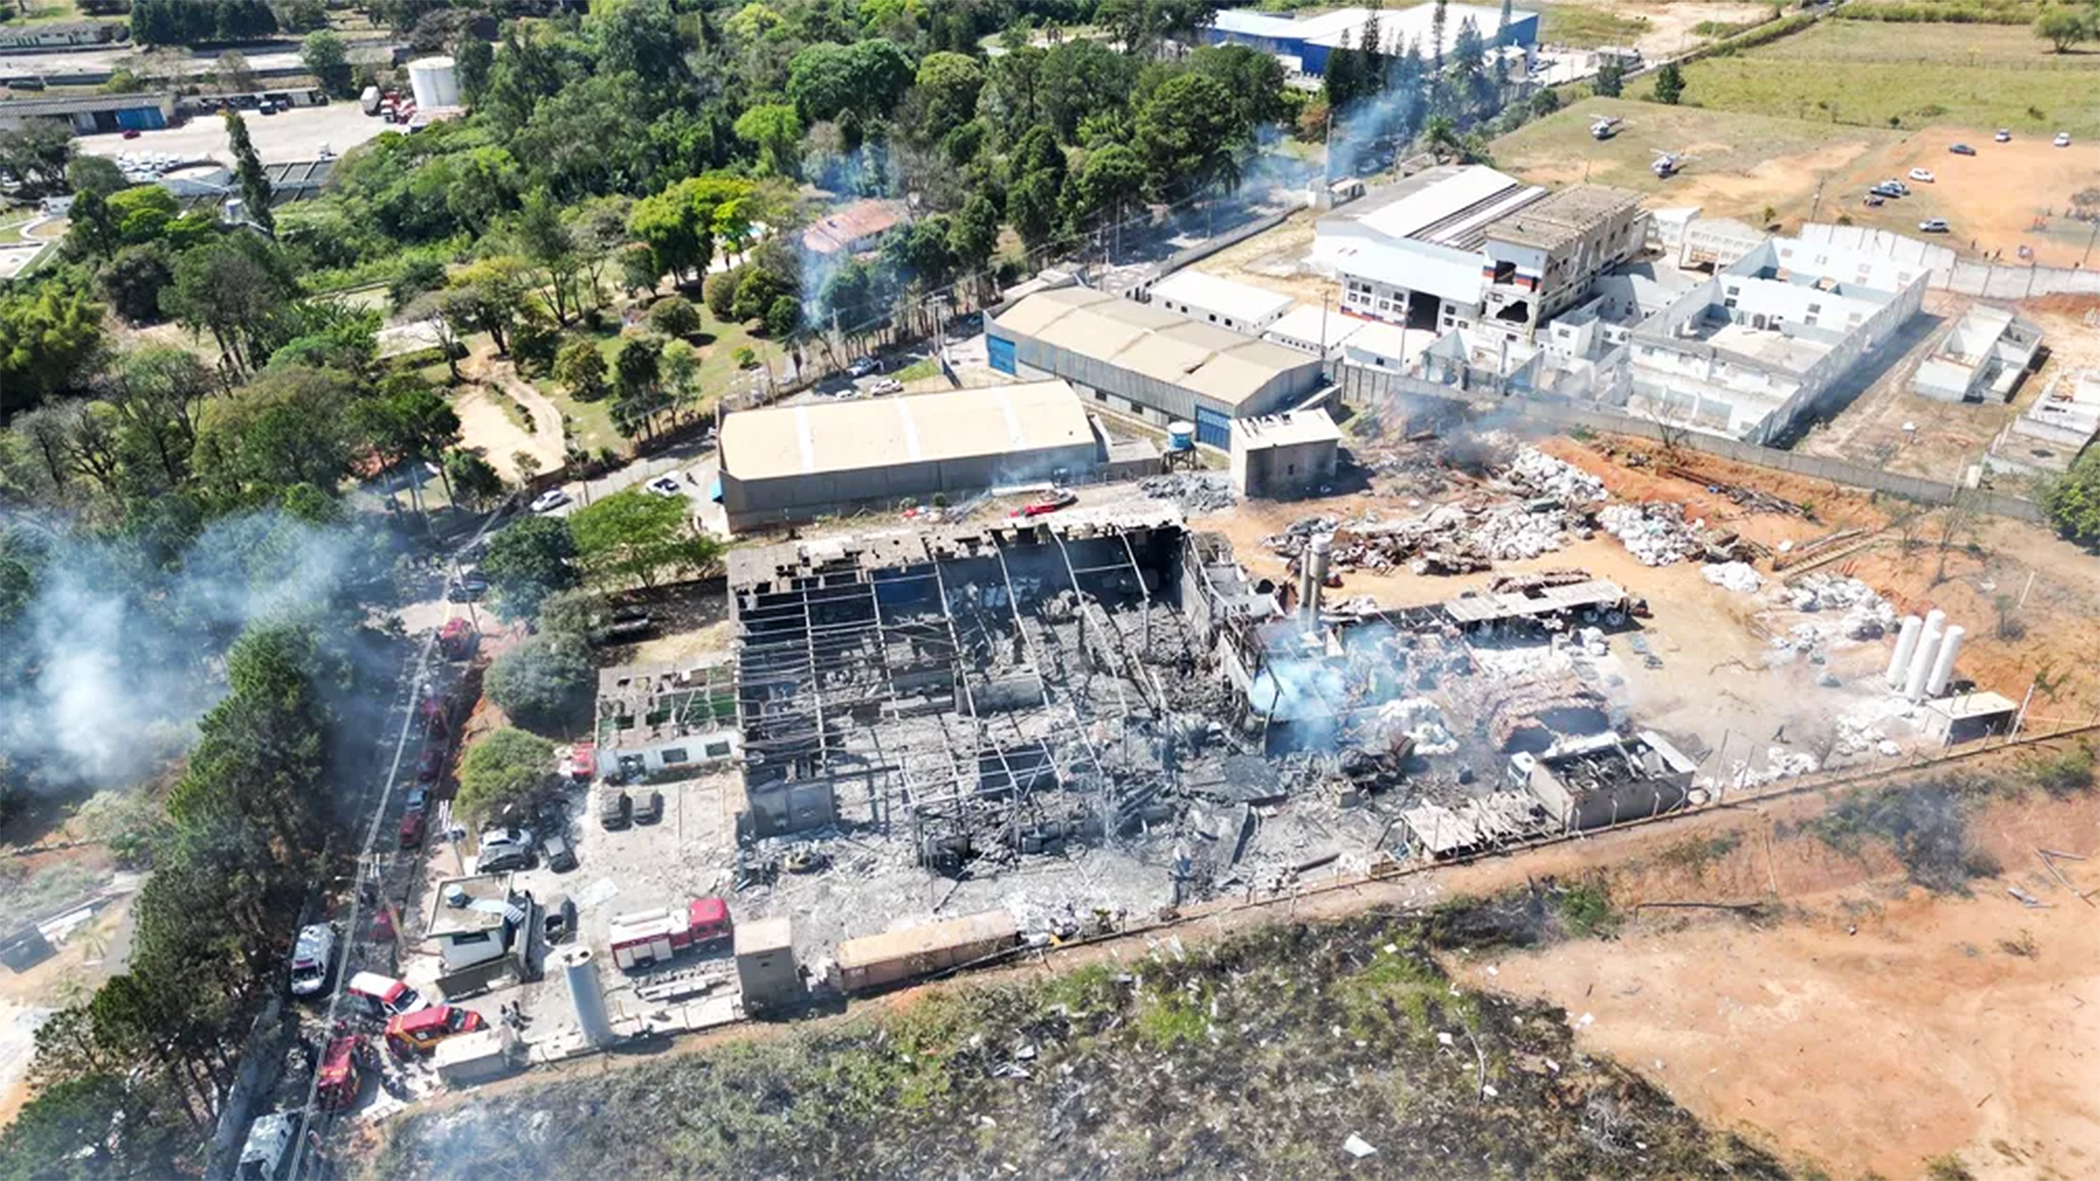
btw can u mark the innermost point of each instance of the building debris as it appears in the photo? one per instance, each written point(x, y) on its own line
point(1196, 492)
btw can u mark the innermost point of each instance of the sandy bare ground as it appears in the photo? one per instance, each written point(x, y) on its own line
point(485, 424)
point(2004, 197)
point(1874, 1027)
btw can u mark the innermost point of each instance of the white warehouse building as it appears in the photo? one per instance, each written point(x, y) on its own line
point(1240, 307)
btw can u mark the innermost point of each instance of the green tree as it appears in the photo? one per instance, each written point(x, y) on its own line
point(50, 338)
point(2061, 27)
point(324, 55)
point(544, 239)
point(133, 280)
point(94, 232)
point(37, 154)
point(1610, 80)
point(580, 367)
point(95, 174)
point(1190, 135)
point(776, 131)
point(1112, 178)
point(632, 538)
point(475, 481)
point(674, 316)
point(287, 426)
point(947, 85)
point(476, 58)
point(783, 316)
point(638, 386)
point(544, 683)
point(255, 183)
point(529, 561)
point(503, 770)
point(490, 296)
point(1669, 84)
point(2073, 500)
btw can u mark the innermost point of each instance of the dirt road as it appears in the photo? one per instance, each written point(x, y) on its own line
point(485, 423)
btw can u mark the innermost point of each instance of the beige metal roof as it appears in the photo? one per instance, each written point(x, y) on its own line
point(923, 428)
point(1216, 362)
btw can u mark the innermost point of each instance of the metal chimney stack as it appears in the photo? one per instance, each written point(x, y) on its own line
point(581, 971)
point(1313, 576)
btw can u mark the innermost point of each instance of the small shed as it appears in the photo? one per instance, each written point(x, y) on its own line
point(1283, 455)
point(765, 964)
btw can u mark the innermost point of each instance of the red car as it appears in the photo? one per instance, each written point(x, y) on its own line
point(430, 765)
point(1048, 502)
point(412, 830)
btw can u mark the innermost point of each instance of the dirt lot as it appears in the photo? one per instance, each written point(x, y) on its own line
point(1877, 1026)
point(1669, 26)
point(1738, 165)
point(2004, 197)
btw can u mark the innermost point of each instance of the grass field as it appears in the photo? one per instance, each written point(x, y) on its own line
point(1583, 27)
point(590, 423)
point(1867, 74)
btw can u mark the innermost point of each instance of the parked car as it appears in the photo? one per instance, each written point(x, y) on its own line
point(313, 954)
point(504, 848)
point(666, 486)
point(1933, 225)
point(338, 1080)
point(420, 1032)
point(1962, 150)
point(430, 764)
point(616, 810)
point(1049, 502)
point(1888, 189)
point(2004, 136)
point(1921, 175)
point(382, 996)
point(417, 800)
point(863, 365)
point(885, 385)
point(558, 920)
point(560, 858)
point(548, 501)
point(467, 588)
point(2063, 139)
point(650, 807)
point(413, 826)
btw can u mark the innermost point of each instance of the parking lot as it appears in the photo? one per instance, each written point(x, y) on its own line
point(292, 136)
point(688, 853)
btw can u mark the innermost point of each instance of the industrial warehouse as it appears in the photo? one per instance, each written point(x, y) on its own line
point(795, 463)
point(1158, 365)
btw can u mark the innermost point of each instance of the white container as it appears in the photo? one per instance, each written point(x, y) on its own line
point(1906, 647)
point(1943, 665)
point(435, 81)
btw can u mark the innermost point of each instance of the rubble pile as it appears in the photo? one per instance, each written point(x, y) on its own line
point(1735, 576)
point(1865, 614)
point(1544, 475)
point(1458, 538)
point(1421, 720)
point(1655, 534)
point(1780, 763)
point(1195, 492)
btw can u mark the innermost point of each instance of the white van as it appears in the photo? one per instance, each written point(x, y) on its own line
point(383, 996)
point(312, 958)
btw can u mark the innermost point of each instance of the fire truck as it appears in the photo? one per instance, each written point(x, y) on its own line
point(652, 936)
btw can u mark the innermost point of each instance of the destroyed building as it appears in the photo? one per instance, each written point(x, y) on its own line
point(663, 716)
point(1605, 778)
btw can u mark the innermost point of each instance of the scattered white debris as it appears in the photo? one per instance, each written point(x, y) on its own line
point(1736, 576)
point(1547, 476)
point(1356, 1146)
point(1655, 534)
point(1422, 720)
point(1443, 1039)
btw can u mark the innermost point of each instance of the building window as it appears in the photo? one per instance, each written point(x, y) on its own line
point(1100, 396)
point(1729, 302)
point(718, 750)
point(674, 755)
point(470, 938)
point(1213, 317)
point(1814, 308)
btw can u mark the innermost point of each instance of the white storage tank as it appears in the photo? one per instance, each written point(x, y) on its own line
point(1943, 664)
point(435, 81)
point(581, 971)
point(1906, 647)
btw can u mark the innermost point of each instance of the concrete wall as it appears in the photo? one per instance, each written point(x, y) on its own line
point(1284, 471)
point(1949, 273)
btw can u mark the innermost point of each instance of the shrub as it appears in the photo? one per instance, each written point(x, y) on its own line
point(502, 770)
point(674, 316)
point(541, 682)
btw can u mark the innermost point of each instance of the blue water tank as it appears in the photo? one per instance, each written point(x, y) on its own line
point(1181, 436)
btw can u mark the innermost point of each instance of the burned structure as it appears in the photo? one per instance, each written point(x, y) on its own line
point(1601, 780)
point(659, 717)
point(976, 695)
point(1006, 689)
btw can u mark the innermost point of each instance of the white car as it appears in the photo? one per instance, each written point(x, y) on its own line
point(1921, 175)
point(886, 385)
point(2003, 136)
point(2063, 139)
point(548, 501)
point(1933, 225)
point(666, 486)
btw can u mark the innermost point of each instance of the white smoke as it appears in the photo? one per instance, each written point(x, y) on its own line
point(113, 661)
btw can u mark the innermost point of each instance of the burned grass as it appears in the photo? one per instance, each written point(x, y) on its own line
point(1257, 1055)
point(1926, 826)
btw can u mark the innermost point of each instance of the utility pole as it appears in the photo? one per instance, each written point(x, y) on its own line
point(1817, 202)
point(2088, 255)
